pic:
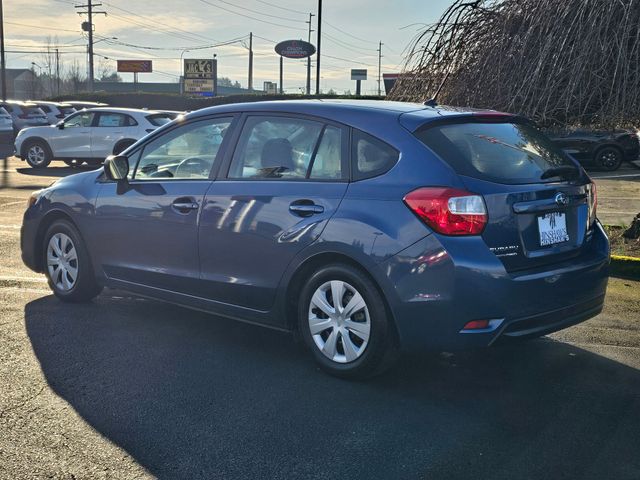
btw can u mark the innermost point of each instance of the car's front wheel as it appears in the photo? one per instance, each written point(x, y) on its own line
point(37, 154)
point(68, 265)
point(343, 320)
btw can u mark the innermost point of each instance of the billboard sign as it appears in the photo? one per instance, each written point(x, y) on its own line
point(135, 66)
point(295, 49)
point(358, 74)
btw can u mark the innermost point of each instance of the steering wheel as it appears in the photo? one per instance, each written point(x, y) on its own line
point(193, 167)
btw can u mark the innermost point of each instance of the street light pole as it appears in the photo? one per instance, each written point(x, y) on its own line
point(311, 15)
point(319, 33)
point(3, 68)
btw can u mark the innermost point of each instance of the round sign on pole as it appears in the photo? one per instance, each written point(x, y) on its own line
point(295, 49)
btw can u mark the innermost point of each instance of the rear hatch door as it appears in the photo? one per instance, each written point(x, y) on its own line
point(539, 201)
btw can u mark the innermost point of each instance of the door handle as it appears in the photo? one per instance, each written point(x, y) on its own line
point(305, 208)
point(184, 205)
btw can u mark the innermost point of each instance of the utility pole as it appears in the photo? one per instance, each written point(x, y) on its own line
point(88, 27)
point(281, 76)
point(379, 67)
point(319, 33)
point(311, 15)
point(250, 83)
point(3, 68)
point(57, 71)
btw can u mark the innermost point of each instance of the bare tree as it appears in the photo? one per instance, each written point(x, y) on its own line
point(558, 61)
point(75, 76)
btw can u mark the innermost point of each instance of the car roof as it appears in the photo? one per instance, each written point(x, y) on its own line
point(363, 114)
point(122, 110)
point(56, 104)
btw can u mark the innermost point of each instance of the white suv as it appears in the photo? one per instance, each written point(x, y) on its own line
point(87, 136)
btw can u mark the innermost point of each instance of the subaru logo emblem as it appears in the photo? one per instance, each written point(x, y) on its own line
point(562, 200)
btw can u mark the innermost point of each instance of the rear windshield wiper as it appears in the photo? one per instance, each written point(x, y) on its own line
point(566, 171)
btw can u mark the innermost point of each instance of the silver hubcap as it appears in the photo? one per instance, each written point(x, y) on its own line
point(62, 262)
point(339, 321)
point(36, 154)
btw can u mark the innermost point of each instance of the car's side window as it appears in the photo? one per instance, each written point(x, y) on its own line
point(115, 120)
point(370, 157)
point(186, 152)
point(287, 148)
point(84, 119)
point(327, 161)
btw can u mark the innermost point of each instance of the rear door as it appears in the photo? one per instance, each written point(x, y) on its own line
point(285, 179)
point(539, 202)
point(108, 129)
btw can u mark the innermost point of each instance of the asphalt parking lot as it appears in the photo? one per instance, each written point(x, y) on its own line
point(126, 388)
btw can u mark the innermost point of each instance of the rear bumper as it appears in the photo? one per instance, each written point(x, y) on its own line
point(437, 291)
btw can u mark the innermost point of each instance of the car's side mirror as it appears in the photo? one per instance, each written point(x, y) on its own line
point(116, 167)
point(60, 125)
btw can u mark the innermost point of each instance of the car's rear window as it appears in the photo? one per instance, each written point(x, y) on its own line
point(66, 110)
point(511, 153)
point(32, 111)
point(159, 119)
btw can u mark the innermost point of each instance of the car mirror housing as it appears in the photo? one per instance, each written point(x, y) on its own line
point(116, 167)
point(60, 125)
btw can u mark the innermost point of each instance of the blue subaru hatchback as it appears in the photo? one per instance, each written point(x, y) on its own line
point(364, 226)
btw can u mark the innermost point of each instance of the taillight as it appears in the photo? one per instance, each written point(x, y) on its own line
point(592, 195)
point(448, 210)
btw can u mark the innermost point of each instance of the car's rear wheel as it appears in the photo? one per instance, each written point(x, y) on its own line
point(67, 264)
point(343, 320)
point(37, 154)
point(609, 158)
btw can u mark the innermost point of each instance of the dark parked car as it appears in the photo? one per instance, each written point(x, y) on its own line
point(363, 225)
point(605, 150)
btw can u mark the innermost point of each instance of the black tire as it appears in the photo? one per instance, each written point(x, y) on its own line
point(85, 287)
point(608, 158)
point(380, 350)
point(37, 154)
point(122, 146)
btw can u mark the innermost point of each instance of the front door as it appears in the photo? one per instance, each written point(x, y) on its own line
point(73, 140)
point(146, 233)
point(109, 128)
point(286, 178)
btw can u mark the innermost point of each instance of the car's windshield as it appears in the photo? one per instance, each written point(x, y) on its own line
point(159, 119)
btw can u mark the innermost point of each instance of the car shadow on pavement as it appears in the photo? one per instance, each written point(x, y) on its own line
point(55, 171)
point(189, 395)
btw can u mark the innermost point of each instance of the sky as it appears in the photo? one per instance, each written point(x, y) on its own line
point(166, 30)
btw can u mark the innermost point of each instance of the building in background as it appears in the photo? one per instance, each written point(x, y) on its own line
point(22, 84)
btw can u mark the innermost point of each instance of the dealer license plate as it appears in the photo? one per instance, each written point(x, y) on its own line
point(552, 228)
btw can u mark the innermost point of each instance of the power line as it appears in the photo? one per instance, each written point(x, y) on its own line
point(252, 18)
point(282, 8)
point(156, 23)
point(262, 13)
point(346, 33)
point(40, 26)
point(196, 47)
point(340, 44)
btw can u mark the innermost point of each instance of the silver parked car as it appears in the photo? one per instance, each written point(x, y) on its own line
point(24, 114)
point(55, 111)
point(6, 126)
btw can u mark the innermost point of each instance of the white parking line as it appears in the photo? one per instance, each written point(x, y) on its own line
point(13, 227)
point(21, 202)
point(11, 278)
point(617, 176)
